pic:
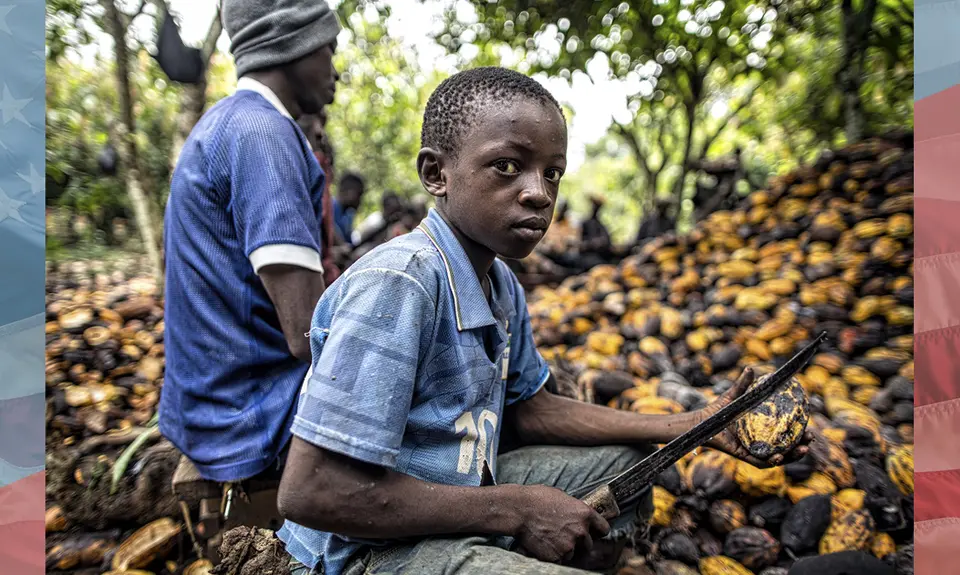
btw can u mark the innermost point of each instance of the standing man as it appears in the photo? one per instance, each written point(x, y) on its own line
point(243, 252)
point(314, 128)
point(349, 193)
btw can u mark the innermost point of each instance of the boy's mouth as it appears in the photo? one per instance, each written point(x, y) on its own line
point(531, 229)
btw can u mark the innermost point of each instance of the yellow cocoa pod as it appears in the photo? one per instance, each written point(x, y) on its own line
point(865, 308)
point(755, 299)
point(605, 343)
point(817, 484)
point(907, 370)
point(818, 375)
point(782, 346)
point(900, 315)
point(846, 501)
point(900, 468)
point(833, 462)
point(883, 545)
point(663, 502)
point(652, 346)
point(656, 406)
point(853, 532)
point(671, 323)
point(698, 340)
point(760, 349)
point(869, 229)
point(835, 434)
point(773, 329)
point(856, 375)
point(710, 469)
point(900, 225)
point(582, 326)
point(835, 388)
point(737, 269)
point(722, 565)
point(757, 482)
point(864, 395)
point(828, 361)
point(885, 248)
point(776, 425)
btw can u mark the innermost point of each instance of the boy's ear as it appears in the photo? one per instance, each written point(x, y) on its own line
point(430, 169)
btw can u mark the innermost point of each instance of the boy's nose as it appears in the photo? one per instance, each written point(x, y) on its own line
point(535, 195)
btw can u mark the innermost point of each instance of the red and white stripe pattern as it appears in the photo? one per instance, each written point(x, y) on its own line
point(937, 332)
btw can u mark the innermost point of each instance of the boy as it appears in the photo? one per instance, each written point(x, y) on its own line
point(423, 354)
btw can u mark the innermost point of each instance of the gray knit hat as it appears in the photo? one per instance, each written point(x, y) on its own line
point(266, 33)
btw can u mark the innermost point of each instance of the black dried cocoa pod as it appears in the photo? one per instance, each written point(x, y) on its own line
point(727, 515)
point(904, 560)
point(680, 547)
point(805, 523)
point(726, 358)
point(670, 480)
point(881, 367)
point(846, 562)
point(801, 470)
point(769, 513)
point(708, 543)
point(753, 547)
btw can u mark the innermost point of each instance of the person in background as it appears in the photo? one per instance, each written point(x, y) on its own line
point(314, 128)
point(243, 245)
point(595, 244)
point(561, 237)
point(349, 195)
point(657, 222)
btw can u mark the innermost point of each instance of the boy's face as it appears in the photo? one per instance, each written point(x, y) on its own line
point(501, 190)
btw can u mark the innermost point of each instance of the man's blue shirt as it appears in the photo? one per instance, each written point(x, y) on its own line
point(412, 368)
point(246, 193)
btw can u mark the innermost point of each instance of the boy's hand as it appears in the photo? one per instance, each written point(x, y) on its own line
point(727, 441)
point(554, 525)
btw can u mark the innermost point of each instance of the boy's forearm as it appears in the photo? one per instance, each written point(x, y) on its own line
point(362, 501)
point(551, 419)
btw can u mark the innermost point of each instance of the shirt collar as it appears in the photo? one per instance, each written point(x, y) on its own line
point(469, 303)
point(247, 83)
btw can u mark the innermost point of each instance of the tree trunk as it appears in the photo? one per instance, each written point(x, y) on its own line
point(856, 32)
point(687, 147)
point(128, 148)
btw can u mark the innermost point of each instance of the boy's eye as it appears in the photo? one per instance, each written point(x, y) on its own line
point(553, 175)
point(507, 166)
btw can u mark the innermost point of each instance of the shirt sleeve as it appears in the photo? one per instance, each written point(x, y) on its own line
point(357, 399)
point(271, 196)
point(527, 371)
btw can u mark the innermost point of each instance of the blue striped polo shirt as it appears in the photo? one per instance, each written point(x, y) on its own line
point(412, 368)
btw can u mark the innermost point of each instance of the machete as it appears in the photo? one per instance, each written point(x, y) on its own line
point(604, 499)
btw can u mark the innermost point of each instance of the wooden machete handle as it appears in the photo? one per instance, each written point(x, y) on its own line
point(603, 502)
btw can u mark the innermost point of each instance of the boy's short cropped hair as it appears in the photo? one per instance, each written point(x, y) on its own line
point(456, 103)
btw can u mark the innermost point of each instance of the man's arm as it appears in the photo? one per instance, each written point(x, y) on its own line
point(295, 292)
point(551, 419)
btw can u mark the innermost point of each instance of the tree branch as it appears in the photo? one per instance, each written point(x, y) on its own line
point(731, 113)
point(213, 34)
point(637, 148)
